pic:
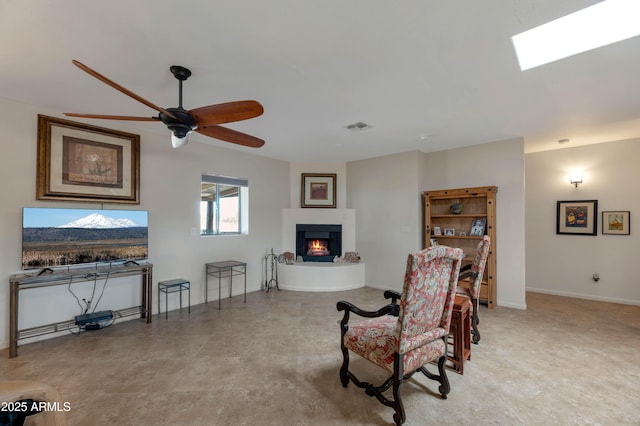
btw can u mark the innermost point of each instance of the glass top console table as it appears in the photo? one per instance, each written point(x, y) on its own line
point(225, 269)
point(70, 275)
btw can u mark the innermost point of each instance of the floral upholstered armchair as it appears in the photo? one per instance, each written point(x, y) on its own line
point(410, 332)
point(471, 279)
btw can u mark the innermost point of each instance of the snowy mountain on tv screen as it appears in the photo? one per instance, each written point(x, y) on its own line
point(98, 221)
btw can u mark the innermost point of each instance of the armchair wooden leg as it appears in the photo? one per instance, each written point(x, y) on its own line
point(399, 416)
point(441, 377)
point(344, 369)
point(475, 321)
point(444, 388)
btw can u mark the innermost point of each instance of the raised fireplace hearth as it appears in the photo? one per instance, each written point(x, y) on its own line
point(318, 243)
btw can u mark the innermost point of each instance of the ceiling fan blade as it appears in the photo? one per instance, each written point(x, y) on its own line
point(111, 117)
point(226, 113)
point(229, 135)
point(116, 86)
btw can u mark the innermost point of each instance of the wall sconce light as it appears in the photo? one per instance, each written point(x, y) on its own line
point(575, 178)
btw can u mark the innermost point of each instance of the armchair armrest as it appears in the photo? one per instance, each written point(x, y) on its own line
point(390, 309)
point(393, 295)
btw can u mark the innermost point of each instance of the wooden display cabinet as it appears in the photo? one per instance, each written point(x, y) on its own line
point(479, 204)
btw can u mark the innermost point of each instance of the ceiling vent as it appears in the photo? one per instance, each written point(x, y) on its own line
point(358, 126)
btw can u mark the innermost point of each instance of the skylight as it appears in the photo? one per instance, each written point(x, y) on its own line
point(599, 25)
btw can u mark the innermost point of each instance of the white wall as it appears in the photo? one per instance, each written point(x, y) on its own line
point(500, 164)
point(385, 193)
point(564, 264)
point(170, 191)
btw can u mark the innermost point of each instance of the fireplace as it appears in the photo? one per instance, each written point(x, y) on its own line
point(318, 243)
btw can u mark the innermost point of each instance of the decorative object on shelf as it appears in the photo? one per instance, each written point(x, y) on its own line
point(477, 227)
point(437, 230)
point(577, 217)
point(349, 257)
point(287, 257)
point(434, 242)
point(462, 233)
point(318, 190)
point(449, 232)
point(616, 222)
point(79, 162)
point(457, 207)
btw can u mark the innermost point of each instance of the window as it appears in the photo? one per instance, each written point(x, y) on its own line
point(223, 205)
point(604, 23)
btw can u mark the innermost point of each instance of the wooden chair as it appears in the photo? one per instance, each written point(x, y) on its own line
point(470, 280)
point(405, 335)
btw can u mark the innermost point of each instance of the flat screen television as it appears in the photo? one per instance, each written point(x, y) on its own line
point(58, 236)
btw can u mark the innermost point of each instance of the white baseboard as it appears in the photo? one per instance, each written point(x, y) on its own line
point(585, 296)
point(503, 304)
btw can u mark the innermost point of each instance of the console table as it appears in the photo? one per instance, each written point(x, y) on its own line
point(73, 274)
point(225, 269)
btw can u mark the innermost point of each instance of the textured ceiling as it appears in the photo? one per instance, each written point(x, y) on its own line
point(425, 75)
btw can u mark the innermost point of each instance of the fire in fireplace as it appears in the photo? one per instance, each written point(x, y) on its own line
point(317, 247)
point(318, 243)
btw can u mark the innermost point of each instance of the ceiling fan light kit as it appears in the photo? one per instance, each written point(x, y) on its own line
point(181, 125)
point(177, 142)
point(204, 120)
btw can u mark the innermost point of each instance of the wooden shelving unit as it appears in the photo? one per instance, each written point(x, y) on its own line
point(479, 203)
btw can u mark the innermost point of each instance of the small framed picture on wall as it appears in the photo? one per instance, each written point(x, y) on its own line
point(616, 223)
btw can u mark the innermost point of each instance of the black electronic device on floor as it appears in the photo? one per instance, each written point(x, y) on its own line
point(91, 321)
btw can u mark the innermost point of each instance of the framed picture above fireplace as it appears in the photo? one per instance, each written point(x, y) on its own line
point(318, 190)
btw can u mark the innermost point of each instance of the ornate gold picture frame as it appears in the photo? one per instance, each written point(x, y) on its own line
point(318, 190)
point(80, 162)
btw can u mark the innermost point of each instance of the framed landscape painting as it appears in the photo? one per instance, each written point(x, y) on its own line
point(86, 163)
point(577, 217)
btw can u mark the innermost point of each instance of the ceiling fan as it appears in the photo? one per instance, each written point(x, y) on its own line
point(205, 120)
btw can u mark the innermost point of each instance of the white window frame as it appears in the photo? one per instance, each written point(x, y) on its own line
point(213, 207)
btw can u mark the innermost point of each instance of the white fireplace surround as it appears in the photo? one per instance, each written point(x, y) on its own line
point(344, 217)
point(320, 276)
